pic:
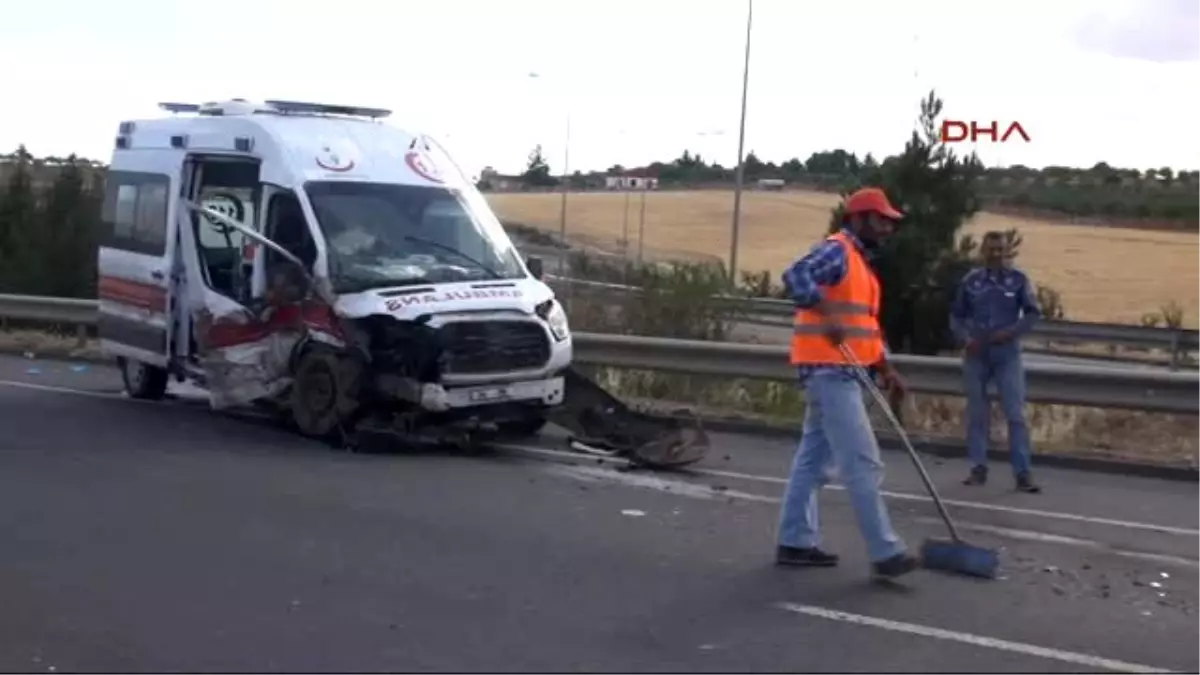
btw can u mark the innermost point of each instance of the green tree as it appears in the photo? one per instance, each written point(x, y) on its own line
point(537, 171)
point(67, 238)
point(18, 221)
point(920, 266)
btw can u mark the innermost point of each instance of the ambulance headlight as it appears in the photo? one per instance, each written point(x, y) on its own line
point(556, 317)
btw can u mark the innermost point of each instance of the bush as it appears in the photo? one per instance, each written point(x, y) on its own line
point(675, 300)
point(1051, 303)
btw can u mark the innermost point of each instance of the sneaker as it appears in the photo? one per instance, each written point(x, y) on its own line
point(804, 557)
point(978, 476)
point(897, 565)
point(1025, 484)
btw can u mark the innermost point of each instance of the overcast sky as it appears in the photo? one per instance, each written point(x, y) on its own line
point(1090, 80)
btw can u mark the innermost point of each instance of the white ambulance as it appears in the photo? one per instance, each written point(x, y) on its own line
point(310, 258)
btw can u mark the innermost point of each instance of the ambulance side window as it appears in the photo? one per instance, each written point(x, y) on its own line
point(287, 227)
point(135, 212)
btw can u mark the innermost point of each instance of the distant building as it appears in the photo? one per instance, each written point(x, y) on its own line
point(774, 184)
point(631, 179)
point(492, 180)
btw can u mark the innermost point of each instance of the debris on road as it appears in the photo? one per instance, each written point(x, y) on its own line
point(633, 513)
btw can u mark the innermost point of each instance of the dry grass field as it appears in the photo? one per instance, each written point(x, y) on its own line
point(1103, 273)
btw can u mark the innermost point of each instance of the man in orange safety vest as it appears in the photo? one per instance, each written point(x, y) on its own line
point(837, 298)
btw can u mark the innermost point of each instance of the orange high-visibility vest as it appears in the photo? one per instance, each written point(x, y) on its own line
point(854, 302)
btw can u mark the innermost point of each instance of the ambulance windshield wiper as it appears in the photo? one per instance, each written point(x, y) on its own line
point(352, 285)
point(450, 249)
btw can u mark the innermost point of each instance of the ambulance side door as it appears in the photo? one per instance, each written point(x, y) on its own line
point(134, 264)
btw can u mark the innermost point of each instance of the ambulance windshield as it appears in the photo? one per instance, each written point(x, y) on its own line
point(383, 234)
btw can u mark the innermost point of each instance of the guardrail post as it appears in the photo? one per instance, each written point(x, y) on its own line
point(1175, 349)
point(81, 336)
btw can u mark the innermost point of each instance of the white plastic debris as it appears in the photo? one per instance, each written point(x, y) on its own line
point(633, 513)
point(434, 397)
point(1155, 584)
point(1164, 575)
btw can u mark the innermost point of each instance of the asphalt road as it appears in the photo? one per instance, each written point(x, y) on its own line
point(162, 537)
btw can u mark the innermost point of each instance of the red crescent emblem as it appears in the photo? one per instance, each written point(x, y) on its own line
point(330, 160)
point(423, 166)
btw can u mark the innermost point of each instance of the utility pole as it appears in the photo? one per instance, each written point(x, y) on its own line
point(625, 226)
point(642, 227)
point(566, 187)
point(741, 166)
point(566, 175)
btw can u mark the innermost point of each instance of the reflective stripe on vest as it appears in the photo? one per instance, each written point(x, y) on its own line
point(854, 303)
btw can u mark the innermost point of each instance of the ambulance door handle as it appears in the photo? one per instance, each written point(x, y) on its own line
point(157, 275)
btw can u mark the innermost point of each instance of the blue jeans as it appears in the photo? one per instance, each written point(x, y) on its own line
point(836, 427)
point(1005, 369)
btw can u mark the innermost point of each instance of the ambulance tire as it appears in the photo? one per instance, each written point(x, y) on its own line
point(143, 381)
point(324, 393)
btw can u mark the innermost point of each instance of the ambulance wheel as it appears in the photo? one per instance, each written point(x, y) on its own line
point(142, 380)
point(324, 393)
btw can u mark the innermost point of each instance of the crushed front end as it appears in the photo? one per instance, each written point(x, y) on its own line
point(499, 372)
point(469, 368)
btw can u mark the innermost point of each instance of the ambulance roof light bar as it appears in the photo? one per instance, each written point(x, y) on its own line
point(302, 107)
point(179, 107)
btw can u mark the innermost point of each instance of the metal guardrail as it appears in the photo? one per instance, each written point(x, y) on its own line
point(1101, 387)
point(74, 311)
point(770, 312)
point(1148, 390)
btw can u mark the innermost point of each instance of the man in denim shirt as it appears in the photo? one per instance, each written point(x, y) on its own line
point(995, 306)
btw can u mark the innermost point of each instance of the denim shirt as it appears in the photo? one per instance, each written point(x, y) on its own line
point(823, 266)
point(991, 300)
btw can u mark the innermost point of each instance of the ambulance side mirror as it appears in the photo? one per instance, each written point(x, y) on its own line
point(535, 267)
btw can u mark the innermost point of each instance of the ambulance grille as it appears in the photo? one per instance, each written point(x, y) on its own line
point(470, 347)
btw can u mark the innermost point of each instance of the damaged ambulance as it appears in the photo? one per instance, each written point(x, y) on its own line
point(344, 274)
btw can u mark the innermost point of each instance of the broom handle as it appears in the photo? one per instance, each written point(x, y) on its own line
point(912, 452)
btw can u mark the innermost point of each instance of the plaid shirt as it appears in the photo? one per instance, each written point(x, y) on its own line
point(824, 265)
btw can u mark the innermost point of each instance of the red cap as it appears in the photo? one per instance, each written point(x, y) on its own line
point(872, 199)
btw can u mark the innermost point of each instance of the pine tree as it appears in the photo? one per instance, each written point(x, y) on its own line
point(920, 266)
point(68, 236)
point(537, 171)
point(18, 221)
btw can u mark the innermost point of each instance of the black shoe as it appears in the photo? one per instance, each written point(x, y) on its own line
point(978, 476)
point(897, 565)
point(1025, 484)
point(804, 557)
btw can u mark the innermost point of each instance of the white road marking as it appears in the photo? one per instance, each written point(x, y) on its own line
point(1087, 660)
point(66, 390)
point(594, 474)
point(905, 496)
point(1000, 508)
point(718, 473)
point(1027, 535)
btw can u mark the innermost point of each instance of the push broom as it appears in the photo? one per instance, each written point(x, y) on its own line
point(955, 556)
